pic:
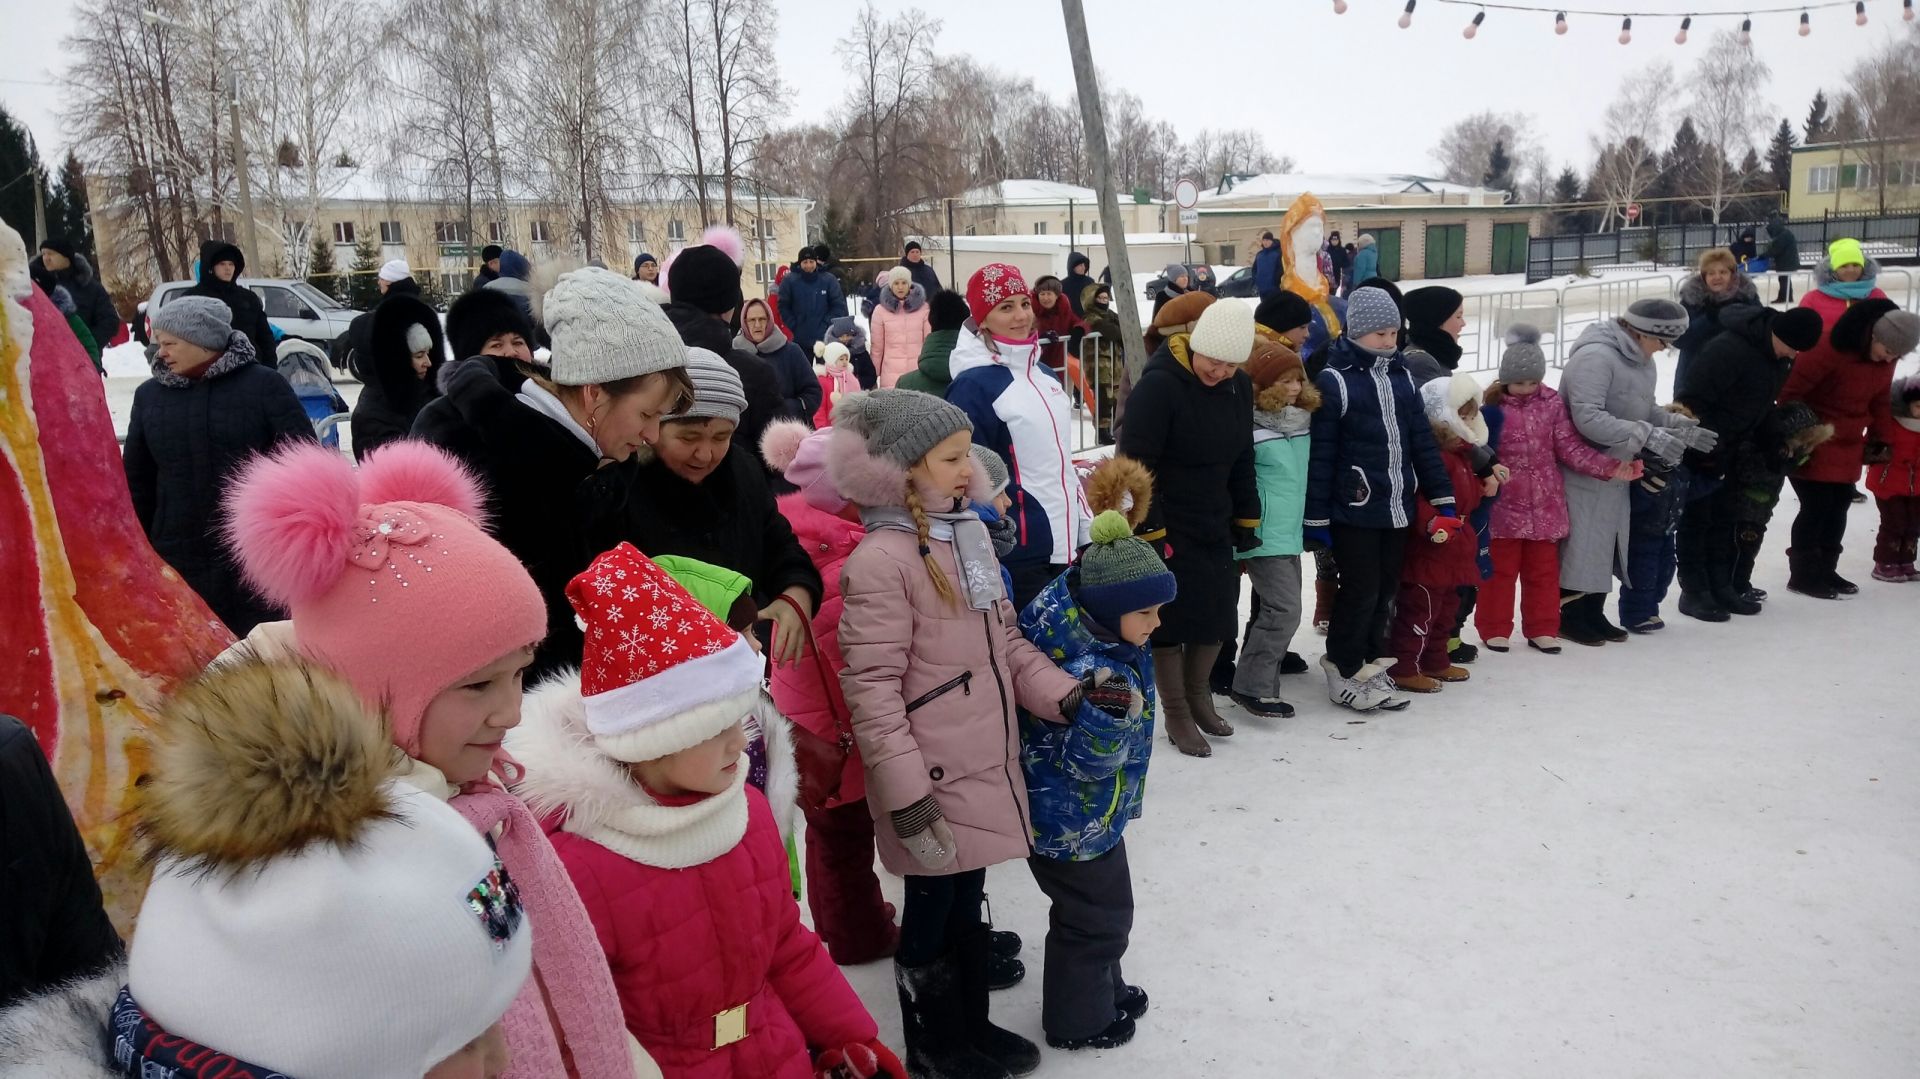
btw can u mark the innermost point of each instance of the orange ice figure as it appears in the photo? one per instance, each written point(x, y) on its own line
point(94, 627)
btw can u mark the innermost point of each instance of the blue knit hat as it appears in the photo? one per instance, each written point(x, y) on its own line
point(1119, 573)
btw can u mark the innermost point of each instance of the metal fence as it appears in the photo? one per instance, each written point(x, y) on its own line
point(1894, 234)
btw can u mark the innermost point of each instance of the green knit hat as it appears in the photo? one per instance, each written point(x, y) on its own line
point(1120, 573)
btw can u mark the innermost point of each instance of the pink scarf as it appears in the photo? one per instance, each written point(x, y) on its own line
point(566, 952)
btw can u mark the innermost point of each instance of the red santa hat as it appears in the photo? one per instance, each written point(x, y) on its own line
point(659, 672)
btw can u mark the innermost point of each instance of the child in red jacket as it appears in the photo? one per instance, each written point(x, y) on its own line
point(1440, 555)
point(636, 763)
point(1893, 475)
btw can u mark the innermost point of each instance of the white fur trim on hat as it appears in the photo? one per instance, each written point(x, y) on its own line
point(677, 708)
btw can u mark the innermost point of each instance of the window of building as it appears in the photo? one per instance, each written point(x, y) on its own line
point(450, 232)
point(1039, 228)
point(496, 232)
point(1227, 253)
point(343, 232)
point(763, 228)
point(1866, 177)
point(636, 233)
point(676, 231)
point(1822, 178)
point(760, 273)
point(538, 232)
point(390, 233)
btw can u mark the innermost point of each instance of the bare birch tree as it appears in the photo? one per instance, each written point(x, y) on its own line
point(446, 110)
point(1636, 122)
point(1725, 101)
point(891, 62)
point(745, 83)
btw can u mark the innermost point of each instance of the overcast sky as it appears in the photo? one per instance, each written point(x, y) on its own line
point(1338, 93)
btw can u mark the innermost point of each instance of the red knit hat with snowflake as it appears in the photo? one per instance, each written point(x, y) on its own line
point(992, 285)
point(659, 673)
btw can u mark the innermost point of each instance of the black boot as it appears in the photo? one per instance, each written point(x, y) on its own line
point(1004, 968)
point(1832, 565)
point(1575, 626)
point(1806, 576)
point(1293, 663)
point(933, 1023)
point(1727, 594)
point(1702, 605)
point(1597, 617)
point(1012, 1052)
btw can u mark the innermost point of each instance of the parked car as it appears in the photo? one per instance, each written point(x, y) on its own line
point(1238, 283)
point(294, 307)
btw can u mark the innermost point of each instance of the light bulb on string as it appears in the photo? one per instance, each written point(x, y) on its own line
point(1473, 28)
point(1685, 25)
point(1560, 19)
point(1406, 17)
point(1806, 25)
point(1626, 31)
point(1746, 31)
point(1859, 12)
point(1339, 7)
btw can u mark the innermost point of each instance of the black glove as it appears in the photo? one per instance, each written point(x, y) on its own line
point(1245, 539)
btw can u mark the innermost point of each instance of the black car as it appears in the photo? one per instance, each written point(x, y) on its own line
point(1238, 283)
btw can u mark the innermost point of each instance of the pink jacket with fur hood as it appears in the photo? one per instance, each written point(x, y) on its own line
point(933, 685)
point(1537, 438)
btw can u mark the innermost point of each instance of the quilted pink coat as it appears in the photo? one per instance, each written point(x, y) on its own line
point(933, 686)
point(899, 326)
point(693, 904)
point(1537, 438)
point(799, 690)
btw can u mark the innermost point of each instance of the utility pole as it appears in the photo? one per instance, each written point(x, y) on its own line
point(1093, 118)
point(39, 210)
point(251, 233)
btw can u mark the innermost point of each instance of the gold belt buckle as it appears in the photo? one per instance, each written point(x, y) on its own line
point(730, 1026)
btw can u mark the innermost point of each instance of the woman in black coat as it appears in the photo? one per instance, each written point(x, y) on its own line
point(202, 414)
point(221, 265)
point(407, 351)
point(1190, 421)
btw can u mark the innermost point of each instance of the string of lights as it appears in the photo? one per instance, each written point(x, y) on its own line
point(1626, 16)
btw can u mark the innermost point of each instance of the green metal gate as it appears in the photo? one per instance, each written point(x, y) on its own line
point(1510, 247)
point(1446, 251)
point(1387, 242)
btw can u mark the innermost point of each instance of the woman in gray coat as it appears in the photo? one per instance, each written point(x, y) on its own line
point(1608, 385)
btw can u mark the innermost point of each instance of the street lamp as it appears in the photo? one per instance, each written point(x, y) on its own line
point(236, 143)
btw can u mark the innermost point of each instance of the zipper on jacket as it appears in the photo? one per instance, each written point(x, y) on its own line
point(1006, 723)
point(963, 681)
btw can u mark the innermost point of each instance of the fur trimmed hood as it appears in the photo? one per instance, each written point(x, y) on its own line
point(1694, 293)
point(64, 1032)
point(916, 299)
point(1121, 484)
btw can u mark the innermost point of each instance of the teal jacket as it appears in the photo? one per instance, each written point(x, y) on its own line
point(1085, 779)
point(1280, 472)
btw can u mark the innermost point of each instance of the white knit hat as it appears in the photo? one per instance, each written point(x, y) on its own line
point(395, 270)
point(604, 330)
point(658, 673)
point(308, 913)
point(1224, 333)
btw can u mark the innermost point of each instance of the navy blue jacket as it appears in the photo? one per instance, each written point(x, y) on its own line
point(808, 301)
point(1372, 447)
point(1266, 269)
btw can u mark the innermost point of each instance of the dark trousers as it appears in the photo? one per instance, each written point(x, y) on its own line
point(1029, 578)
point(939, 912)
point(1785, 295)
point(1370, 560)
point(1087, 930)
point(843, 893)
point(1821, 523)
point(1707, 547)
point(1652, 547)
point(1422, 620)
point(1899, 531)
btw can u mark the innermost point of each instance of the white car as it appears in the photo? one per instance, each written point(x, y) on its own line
point(295, 308)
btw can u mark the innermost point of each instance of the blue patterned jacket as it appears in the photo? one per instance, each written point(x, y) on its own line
point(1085, 779)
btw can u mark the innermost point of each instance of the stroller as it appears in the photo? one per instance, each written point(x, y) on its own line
point(305, 368)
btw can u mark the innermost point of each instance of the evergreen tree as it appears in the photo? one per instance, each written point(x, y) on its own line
point(1818, 125)
point(22, 175)
point(1681, 170)
point(1753, 176)
point(1847, 125)
point(1567, 192)
point(362, 288)
point(67, 208)
point(1499, 169)
point(1780, 155)
point(320, 268)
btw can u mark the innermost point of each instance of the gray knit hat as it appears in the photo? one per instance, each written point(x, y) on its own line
point(1524, 360)
point(201, 320)
point(717, 391)
point(994, 468)
point(1174, 270)
point(1370, 310)
point(604, 330)
point(1119, 573)
point(1898, 332)
point(418, 339)
point(901, 426)
point(1657, 317)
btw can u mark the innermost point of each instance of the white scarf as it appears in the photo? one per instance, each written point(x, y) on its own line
point(536, 397)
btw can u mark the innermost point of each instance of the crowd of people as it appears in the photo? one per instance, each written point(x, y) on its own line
point(503, 772)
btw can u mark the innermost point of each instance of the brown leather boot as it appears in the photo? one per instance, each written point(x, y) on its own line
point(1170, 681)
point(1196, 663)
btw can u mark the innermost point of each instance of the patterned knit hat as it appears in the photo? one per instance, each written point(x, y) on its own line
point(990, 286)
point(1657, 317)
point(659, 673)
point(717, 391)
point(901, 426)
point(1370, 310)
point(1119, 573)
point(604, 330)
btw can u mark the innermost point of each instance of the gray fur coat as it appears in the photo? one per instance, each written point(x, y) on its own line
point(64, 1031)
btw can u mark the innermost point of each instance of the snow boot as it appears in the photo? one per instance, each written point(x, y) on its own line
point(1703, 606)
point(1574, 623)
point(1133, 1001)
point(1264, 707)
point(1498, 644)
point(1887, 571)
point(1735, 601)
point(1597, 618)
point(1323, 591)
point(1450, 674)
point(1171, 681)
point(932, 1022)
point(1462, 652)
point(1805, 576)
point(1912, 573)
point(1118, 1033)
point(1012, 1052)
point(1196, 661)
point(1295, 663)
point(1653, 624)
point(1004, 943)
point(1349, 692)
point(1832, 565)
point(1418, 683)
point(1549, 645)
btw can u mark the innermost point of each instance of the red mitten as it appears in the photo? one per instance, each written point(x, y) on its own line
point(868, 1060)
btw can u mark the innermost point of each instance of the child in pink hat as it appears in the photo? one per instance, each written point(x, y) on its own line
point(393, 584)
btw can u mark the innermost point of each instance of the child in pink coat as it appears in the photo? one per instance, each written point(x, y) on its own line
point(900, 324)
point(935, 666)
point(637, 764)
point(1529, 519)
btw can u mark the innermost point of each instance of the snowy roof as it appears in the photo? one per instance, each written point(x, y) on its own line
point(416, 183)
point(1026, 193)
point(1291, 185)
point(1021, 241)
